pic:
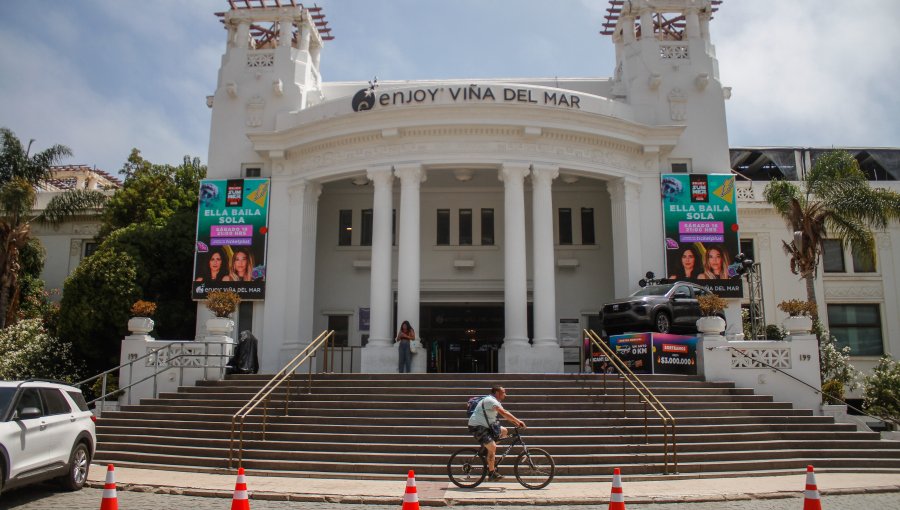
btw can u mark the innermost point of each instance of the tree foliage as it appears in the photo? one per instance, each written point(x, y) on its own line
point(882, 390)
point(27, 350)
point(834, 200)
point(20, 174)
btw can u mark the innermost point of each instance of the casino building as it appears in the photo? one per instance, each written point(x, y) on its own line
point(496, 216)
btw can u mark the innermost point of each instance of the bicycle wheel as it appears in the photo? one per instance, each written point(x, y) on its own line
point(535, 469)
point(466, 468)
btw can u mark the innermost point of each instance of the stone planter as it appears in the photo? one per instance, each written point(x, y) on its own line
point(219, 326)
point(798, 324)
point(140, 325)
point(711, 325)
point(838, 412)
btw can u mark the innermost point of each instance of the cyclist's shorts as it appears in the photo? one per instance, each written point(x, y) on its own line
point(482, 434)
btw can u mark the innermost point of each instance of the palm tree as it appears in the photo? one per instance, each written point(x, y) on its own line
point(835, 201)
point(20, 174)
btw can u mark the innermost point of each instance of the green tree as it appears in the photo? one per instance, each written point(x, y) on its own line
point(20, 174)
point(834, 200)
point(882, 389)
point(27, 350)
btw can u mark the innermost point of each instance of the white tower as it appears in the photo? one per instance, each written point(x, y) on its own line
point(666, 69)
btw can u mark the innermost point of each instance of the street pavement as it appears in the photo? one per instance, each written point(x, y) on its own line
point(158, 489)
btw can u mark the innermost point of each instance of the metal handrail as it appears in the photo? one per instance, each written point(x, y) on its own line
point(154, 353)
point(286, 373)
point(647, 398)
point(810, 386)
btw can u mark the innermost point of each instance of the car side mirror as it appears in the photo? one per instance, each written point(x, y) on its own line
point(28, 413)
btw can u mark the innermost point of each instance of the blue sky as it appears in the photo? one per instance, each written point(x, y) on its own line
point(103, 76)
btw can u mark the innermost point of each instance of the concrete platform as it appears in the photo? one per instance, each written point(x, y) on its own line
point(380, 492)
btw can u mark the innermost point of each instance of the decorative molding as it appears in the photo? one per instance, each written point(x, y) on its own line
point(677, 105)
point(75, 247)
point(674, 52)
point(762, 358)
point(261, 60)
point(854, 290)
point(255, 108)
point(745, 193)
point(177, 355)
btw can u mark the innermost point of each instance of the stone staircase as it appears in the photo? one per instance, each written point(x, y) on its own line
point(379, 425)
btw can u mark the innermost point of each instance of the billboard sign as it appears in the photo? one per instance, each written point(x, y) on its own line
point(674, 354)
point(634, 350)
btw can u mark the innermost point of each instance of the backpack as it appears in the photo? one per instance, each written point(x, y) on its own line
point(471, 404)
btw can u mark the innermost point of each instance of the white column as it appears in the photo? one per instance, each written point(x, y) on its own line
point(646, 24)
point(692, 23)
point(515, 273)
point(543, 267)
point(305, 228)
point(285, 31)
point(380, 300)
point(243, 35)
point(408, 259)
point(626, 228)
point(272, 334)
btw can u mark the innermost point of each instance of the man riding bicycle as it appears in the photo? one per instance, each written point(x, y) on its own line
point(484, 424)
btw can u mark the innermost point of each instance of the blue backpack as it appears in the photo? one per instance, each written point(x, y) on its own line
point(471, 404)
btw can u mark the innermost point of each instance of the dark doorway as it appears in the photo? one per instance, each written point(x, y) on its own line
point(463, 337)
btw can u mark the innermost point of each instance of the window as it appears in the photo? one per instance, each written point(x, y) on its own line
point(89, 248)
point(365, 233)
point(345, 226)
point(252, 172)
point(487, 227)
point(863, 261)
point(55, 402)
point(680, 166)
point(747, 249)
point(78, 398)
point(857, 326)
point(341, 326)
point(443, 227)
point(465, 227)
point(565, 226)
point(587, 225)
point(833, 256)
point(29, 398)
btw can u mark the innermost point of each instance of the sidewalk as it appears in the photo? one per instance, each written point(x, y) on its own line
point(376, 492)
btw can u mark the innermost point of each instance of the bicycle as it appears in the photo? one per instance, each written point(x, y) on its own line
point(534, 468)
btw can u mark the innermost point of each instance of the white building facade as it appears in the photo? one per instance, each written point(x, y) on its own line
point(496, 216)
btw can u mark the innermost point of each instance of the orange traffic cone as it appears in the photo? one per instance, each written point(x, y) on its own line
point(110, 501)
point(811, 494)
point(240, 500)
point(617, 498)
point(411, 497)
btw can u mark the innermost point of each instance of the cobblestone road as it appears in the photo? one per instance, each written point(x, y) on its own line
point(47, 498)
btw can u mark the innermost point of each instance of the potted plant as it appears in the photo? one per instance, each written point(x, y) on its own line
point(800, 314)
point(141, 322)
point(222, 303)
point(712, 307)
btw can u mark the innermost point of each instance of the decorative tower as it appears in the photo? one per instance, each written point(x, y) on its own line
point(270, 66)
point(666, 69)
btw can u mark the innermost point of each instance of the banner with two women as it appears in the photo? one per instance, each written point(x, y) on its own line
point(701, 231)
point(232, 226)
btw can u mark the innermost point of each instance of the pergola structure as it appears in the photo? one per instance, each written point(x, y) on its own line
point(671, 27)
point(264, 36)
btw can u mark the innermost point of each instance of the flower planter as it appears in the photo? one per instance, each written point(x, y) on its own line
point(219, 326)
point(711, 325)
point(798, 325)
point(140, 325)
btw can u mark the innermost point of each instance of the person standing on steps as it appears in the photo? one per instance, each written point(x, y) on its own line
point(406, 335)
point(484, 424)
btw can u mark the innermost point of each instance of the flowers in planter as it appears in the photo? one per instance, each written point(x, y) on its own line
point(711, 305)
point(222, 303)
point(836, 371)
point(798, 308)
point(142, 308)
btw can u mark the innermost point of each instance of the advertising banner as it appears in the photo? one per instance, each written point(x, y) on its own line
point(634, 350)
point(701, 231)
point(232, 228)
point(674, 354)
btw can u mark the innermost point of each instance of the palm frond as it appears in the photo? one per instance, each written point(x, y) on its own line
point(70, 203)
point(781, 194)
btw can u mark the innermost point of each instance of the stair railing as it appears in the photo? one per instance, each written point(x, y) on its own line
point(324, 343)
point(648, 398)
point(160, 365)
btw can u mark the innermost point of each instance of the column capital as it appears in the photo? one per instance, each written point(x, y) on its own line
point(380, 174)
point(410, 173)
point(623, 190)
point(513, 172)
point(298, 189)
point(544, 173)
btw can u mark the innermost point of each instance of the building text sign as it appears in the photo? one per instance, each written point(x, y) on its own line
point(370, 98)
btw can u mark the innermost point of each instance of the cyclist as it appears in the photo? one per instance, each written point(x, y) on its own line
point(484, 424)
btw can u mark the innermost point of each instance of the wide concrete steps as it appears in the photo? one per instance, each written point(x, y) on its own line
point(352, 425)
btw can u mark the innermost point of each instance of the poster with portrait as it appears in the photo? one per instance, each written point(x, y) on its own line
point(674, 354)
point(701, 231)
point(232, 228)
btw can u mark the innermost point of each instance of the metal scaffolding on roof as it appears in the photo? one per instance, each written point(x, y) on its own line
point(264, 35)
point(672, 27)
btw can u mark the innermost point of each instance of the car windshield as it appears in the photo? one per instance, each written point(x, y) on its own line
point(654, 290)
point(6, 396)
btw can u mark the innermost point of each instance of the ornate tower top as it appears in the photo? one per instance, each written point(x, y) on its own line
point(668, 18)
point(267, 19)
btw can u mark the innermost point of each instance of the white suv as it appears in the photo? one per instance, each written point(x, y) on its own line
point(46, 431)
